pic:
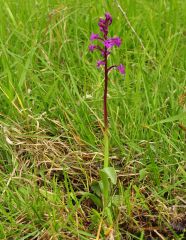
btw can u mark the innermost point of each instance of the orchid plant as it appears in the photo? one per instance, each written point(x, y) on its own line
point(104, 45)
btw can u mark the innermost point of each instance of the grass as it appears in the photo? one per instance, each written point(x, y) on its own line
point(51, 120)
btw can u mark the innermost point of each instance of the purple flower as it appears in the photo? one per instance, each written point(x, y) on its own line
point(107, 44)
point(112, 42)
point(117, 41)
point(108, 18)
point(121, 69)
point(104, 23)
point(92, 47)
point(94, 36)
point(103, 26)
point(100, 62)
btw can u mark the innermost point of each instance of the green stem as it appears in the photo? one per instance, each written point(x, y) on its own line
point(106, 148)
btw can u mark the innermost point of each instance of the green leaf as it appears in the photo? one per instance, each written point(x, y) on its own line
point(117, 200)
point(110, 173)
point(105, 187)
point(101, 184)
point(96, 188)
point(97, 201)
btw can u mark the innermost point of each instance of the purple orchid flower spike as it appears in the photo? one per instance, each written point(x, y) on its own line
point(104, 46)
point(106, 43)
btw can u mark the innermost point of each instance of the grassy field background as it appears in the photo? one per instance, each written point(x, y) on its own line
point(51, 119)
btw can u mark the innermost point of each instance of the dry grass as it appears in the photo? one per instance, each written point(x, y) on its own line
point(145, 212)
